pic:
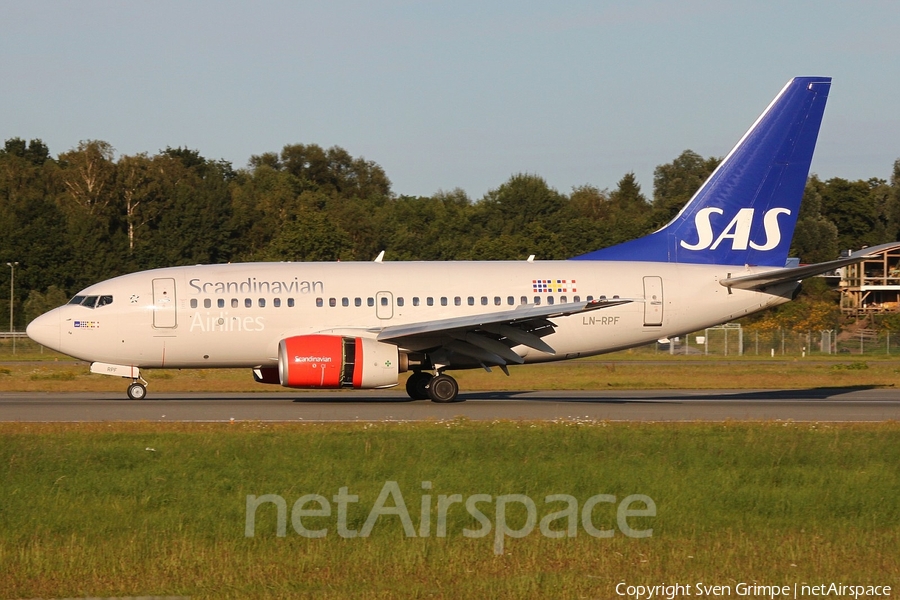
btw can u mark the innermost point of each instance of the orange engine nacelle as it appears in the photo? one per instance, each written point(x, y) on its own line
point(333, 361)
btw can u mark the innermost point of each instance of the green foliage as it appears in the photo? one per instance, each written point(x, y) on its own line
point(89, 215)
point(38, 303)
point(674, 183)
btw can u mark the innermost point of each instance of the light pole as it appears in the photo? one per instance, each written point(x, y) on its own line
point(12, 279)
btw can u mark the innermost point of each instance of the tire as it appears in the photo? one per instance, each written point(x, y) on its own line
point(443, 389)
point(417, 385)
point(137, 391)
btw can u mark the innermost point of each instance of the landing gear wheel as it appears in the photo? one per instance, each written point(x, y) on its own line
point(137, 391)
point(417, 385)
point(443, 389)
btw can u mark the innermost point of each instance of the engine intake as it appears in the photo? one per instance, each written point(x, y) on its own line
point(332, 361)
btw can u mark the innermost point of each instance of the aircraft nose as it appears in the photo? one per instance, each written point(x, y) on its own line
point(45, 330)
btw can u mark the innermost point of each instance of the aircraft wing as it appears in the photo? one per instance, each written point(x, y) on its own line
point(760, 281)
point(487, 338)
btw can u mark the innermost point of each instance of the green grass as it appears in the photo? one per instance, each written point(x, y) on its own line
point(36, 370)
point(159, 509)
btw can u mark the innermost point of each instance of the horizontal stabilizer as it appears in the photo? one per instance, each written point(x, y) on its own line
point(760, 281)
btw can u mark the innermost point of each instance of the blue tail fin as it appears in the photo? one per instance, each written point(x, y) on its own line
point(745, 213)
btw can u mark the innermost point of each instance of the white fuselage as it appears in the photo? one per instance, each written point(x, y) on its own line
point(234, 315)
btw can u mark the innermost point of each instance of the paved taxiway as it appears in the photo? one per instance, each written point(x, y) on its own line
point(818, 404)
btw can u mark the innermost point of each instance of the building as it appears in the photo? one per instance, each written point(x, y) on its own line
point(872, 286)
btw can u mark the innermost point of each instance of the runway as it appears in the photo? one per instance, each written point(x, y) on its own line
point(860, 404)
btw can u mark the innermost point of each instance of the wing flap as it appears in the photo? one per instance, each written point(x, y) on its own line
point(506, 317)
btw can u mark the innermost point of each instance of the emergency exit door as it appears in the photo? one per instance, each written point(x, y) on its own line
point(653, 301)
point(164, 303)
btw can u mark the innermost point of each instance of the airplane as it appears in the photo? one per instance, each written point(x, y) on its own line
point(362, 324)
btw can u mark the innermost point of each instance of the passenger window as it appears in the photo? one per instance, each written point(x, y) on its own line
point(104, 300)
point(562, 299)
point(262, 302)
point(484, 300)
point(576, 299)
point(248, 303)
point(234, 303)
point(590, 298)
point(524, 300)
point(471, 301)
point(332, 302)
point(193, 303)
point(320, 303)
point(457, 301)
point(220, 302)
point(537, 300)
point(290, 303)
point(276, 302)
point(370, 301)
point(510, 300)
point(357, 302)
point(497, 301)
point(415, 300)
point(399, 300)
point(429, 301)
point(550, 300)
point(443, 300)
point(345, 301)
point(207, 303)
point(384, 301)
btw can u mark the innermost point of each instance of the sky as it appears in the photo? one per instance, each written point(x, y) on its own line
point(447, 95)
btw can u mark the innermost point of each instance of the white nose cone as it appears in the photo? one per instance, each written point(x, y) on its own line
point(45, 330)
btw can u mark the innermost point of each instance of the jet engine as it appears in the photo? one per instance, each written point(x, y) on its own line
point(333, 361)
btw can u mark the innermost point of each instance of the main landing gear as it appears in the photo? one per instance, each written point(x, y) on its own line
point(437, 388)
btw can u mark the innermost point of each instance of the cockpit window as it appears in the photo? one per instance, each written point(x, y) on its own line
point(92, 301)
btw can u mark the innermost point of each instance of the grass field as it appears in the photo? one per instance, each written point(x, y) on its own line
point(33, 372)
point(119, 509)
point(160, 509)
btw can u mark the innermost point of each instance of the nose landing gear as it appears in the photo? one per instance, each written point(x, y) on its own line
point(137, 391)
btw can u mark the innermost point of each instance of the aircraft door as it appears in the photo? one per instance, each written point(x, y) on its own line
point(653, 301)
point(164, 303)
point(384, 305)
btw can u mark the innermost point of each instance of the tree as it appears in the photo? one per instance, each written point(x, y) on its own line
point(676, 182)
point(137, 180)
point(629, 210)
point(195, 225)
point(310, 236)
point(34, 228)
point(853, 208)
point(333, 171)
point(38, 303)
point(89, 175)
point(98, 244)
point(522, 200)
point(815, 237)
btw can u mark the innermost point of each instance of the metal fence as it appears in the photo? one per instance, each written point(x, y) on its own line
point(732, 340)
